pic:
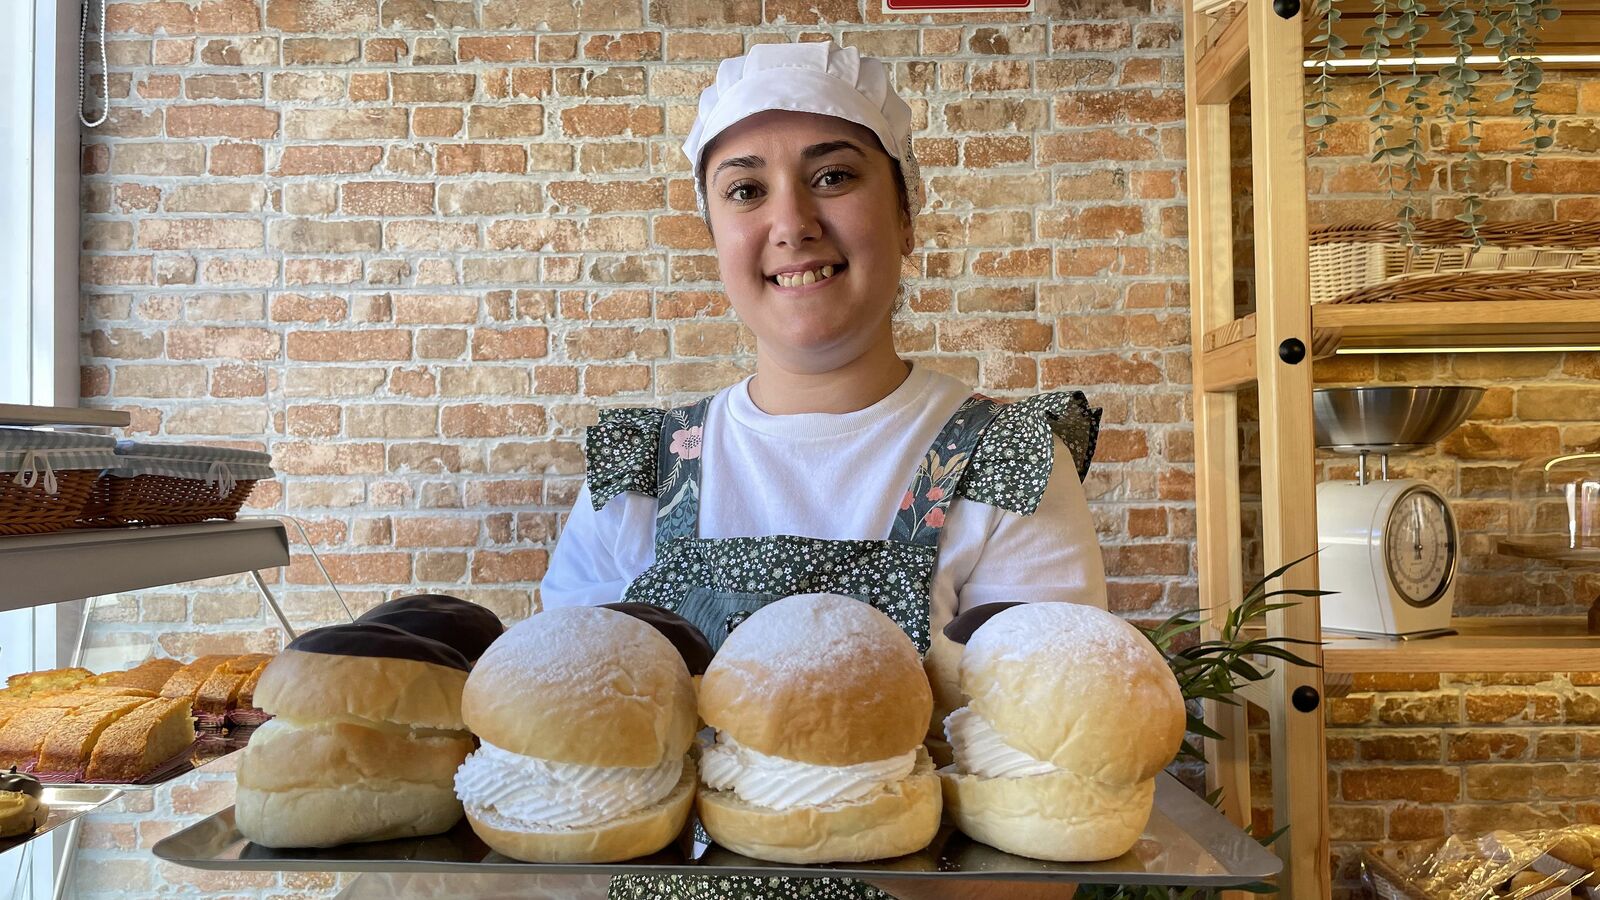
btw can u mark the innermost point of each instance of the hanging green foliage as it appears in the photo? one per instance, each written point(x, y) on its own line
point(1509, 28)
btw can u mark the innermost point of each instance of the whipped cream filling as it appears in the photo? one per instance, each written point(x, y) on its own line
point(778, 783)
point(539, 794)
point(980, 750)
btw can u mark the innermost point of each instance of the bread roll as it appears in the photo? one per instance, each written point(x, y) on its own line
point(583, 685)
point(901, 819)
point(1077, 687)
point(465, 626)
point(639, 834)
point(819, 680)
point(584, 714)
point(1083, 696)
point(365, 743)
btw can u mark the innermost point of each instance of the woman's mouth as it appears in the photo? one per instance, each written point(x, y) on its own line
point(802, 280)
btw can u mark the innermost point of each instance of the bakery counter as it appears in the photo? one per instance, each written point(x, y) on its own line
point(1186, 842)
point(71, 565)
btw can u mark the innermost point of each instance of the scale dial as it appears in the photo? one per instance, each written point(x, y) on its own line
point(1419, 546)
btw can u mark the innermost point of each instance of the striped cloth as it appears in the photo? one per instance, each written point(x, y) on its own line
point(221, 466)
point(35, 456)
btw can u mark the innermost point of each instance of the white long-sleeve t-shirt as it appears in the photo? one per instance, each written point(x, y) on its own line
point(841, 476)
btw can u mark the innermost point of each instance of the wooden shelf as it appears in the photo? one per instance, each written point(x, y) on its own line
point(15, 414)
point(71, 565)
point(1486, 644)
point(1408, 327)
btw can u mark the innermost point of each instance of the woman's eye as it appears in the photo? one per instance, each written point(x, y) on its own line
point(830, 178)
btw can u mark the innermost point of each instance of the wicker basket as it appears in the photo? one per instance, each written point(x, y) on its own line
point(45, 477)
point(173, 484)
point(1350, 258)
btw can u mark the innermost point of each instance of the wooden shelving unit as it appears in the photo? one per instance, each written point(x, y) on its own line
point(1227, 49)
point(1487, 644)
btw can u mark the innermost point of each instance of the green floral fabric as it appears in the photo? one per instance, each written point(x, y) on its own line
point(1009, 466)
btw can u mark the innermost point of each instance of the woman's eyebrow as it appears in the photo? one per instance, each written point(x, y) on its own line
point(809, 153)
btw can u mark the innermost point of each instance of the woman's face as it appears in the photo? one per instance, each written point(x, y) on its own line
point(789, 189)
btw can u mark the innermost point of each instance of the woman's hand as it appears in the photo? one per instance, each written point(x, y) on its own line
point(933, 889)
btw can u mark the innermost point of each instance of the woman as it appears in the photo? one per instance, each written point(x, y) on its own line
point(837, 466)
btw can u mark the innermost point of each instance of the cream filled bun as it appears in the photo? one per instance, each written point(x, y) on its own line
point(585, 718)
point(820, 705)
point(364, 742)
point(1071, 714)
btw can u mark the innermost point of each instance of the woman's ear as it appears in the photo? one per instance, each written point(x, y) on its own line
point(908, 235)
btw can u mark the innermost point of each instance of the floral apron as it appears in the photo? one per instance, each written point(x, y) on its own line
point(717, 582)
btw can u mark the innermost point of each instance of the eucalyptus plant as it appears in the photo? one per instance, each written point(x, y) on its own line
point(1215, 670)
point(1509, 27)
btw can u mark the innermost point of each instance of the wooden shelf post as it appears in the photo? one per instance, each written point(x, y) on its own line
point(1288, 464)
point(1216, 443)
point(1288, 459)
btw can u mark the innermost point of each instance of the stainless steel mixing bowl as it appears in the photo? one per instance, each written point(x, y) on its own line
point(1389, 419)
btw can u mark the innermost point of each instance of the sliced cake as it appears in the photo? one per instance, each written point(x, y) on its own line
point(24, 733)
point(29, 683)
point(149, 675)
point(134, 745)
point(185, 682)
point(66, 748)
point(112, 690)
point(247, 663)
point(218, 695)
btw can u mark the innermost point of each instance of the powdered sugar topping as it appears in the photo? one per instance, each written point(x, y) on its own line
point(569, 645)
point(816, 635)
point(1061, 633)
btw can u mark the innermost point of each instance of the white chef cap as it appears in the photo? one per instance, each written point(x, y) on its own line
point(816, 77)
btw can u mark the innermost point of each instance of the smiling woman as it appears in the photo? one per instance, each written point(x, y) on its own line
point(838, 467)
point(810, 232)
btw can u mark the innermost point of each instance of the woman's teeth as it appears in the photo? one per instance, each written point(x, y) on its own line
point(796, 279)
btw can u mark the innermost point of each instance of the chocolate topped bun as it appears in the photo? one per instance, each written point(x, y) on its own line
point(690, 643)
point(377, 639)
point(466, 626)
point(364, 742)
point(961, 628)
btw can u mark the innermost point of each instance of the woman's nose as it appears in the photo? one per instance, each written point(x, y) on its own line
point(795, 217)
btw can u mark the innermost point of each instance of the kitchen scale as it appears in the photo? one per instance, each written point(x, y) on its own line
point(1389, 547)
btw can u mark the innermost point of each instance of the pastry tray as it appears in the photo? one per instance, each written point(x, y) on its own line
point(66, 804)
point(1186, 842)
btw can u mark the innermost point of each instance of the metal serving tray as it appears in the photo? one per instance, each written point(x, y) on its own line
point(1186, 843)
point(66, 804)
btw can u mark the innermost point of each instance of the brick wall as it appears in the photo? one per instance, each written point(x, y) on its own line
point(412, 246)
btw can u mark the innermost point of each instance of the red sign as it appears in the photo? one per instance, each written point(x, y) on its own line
point(950, 6)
